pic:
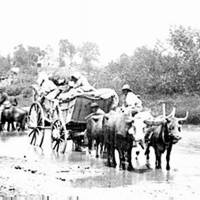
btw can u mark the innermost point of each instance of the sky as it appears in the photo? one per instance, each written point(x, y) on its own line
point(117, 26)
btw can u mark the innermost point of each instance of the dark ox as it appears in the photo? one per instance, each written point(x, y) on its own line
point(94, 132)
point(14, 114)
point(117, 135)
point(163, 135)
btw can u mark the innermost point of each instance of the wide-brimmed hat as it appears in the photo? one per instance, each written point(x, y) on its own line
point(94, 105)
point(126, 87)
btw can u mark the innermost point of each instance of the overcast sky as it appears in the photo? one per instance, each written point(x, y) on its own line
point(117, 26)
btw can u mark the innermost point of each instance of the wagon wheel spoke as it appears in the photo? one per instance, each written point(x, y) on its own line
point(36, 123)
point(33, 137)
point(36, 108)
point(30, 133)
point(39, 118)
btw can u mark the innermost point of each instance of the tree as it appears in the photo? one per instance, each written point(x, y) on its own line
point(34, 53)
point(89, 52)
point(5, 65)
point(20, 56)
point(27, 57)
point(186, 45)
point(66, 49)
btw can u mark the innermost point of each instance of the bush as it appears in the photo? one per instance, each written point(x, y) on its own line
point(27, 92)
point(15, 90)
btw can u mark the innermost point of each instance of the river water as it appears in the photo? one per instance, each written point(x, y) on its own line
point(27, 172)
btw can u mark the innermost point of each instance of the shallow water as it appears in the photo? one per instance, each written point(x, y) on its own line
point(30, 170)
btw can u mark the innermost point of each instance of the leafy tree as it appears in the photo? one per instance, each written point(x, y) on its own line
point(186, 45)
point(66, 49)
point(27, 57)
point(89, 52)
point(20, 56)
point(34, 53)
point(5, 65)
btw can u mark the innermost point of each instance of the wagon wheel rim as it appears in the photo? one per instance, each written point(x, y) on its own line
point(58, 140)
point(36, 124)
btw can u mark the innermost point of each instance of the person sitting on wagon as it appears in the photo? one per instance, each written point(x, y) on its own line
point(46, 86)
point(80, 83)
point(131, 102)
point(77, 85)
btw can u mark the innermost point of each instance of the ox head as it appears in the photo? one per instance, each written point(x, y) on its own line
point(120, 122)
point(174, 126)
point(139, 125)
point(126, 125)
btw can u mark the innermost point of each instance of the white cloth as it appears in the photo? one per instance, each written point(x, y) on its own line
point(46, 87)
point(132, 101)
point(82, 83)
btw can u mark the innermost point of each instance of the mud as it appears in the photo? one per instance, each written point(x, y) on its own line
point(28, 172)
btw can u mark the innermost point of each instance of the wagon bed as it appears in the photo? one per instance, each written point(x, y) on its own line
point(68, 116)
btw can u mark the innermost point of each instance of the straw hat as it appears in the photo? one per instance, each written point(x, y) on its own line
point(126, 87)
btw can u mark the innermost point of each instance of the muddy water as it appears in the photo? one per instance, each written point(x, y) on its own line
point(26, 170)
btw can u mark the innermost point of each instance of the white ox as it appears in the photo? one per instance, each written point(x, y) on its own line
point(141, 119)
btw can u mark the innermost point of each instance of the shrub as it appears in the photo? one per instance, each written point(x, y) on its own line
point(27, 92)
point(14, 90)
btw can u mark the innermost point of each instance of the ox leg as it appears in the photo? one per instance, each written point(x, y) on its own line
point(158, 158)
point(168, 157)
point(89, 144)
point(108, 155)
point(122, 159)
point(97, 148)
point(147, 152)
point(8, 126)
point(101, 146)
point(1, 127)
point(13, 126)
point(113, 157)
point(130, 166)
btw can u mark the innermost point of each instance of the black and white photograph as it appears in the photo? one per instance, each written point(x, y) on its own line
point(99, 100)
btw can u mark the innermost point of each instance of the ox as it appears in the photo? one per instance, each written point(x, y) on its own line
point(162, 136)
point(117, 135)
point(94, 132)
point(14, 114)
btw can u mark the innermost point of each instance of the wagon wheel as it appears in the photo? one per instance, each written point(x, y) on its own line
point(36, 124)
point(58, 137)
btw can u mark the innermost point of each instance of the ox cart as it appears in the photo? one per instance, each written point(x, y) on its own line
point(65, 119)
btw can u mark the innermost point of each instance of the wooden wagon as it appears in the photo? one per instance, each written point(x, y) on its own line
point(65, 119)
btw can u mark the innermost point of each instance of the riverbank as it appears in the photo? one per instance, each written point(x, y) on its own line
point(183, 103)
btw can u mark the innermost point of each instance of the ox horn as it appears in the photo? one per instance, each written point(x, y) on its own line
point(184, 118)
point(172, 114)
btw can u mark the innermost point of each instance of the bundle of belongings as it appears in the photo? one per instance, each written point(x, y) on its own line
point(63, 90)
